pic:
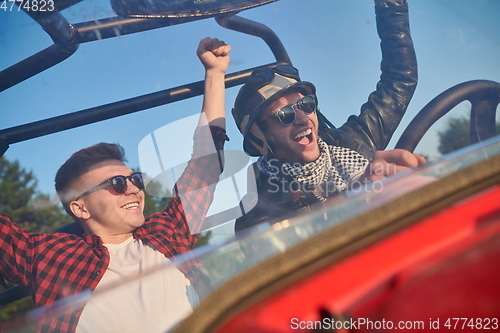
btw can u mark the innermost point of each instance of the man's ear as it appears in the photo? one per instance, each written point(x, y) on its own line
point(79, 210)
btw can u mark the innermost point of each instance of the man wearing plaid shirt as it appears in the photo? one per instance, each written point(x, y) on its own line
point(106, 198)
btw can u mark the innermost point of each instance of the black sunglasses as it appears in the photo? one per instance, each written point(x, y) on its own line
point(119, 184)
point(286, 114)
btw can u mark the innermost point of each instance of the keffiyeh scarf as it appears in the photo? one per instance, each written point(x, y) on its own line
point(334, 170)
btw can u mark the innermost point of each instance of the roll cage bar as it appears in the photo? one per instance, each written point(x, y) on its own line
point(67, 38)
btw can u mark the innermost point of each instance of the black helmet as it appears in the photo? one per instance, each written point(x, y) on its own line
point(262, 88)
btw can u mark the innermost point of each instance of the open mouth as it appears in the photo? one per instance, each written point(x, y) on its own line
point(131, 205)
point(304, 137)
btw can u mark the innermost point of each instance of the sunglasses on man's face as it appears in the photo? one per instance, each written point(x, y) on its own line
point(119, 184)
point(287, 115)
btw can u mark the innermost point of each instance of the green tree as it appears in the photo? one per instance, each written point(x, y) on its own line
point(153, 204)
point(456, 135)
point(203, 238)
point(24, 204)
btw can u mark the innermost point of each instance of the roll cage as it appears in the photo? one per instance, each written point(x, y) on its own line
point(66, 39)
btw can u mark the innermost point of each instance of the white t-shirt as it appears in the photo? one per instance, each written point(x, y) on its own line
point(152, 304)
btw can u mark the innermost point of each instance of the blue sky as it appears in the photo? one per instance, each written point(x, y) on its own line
point(332, 42)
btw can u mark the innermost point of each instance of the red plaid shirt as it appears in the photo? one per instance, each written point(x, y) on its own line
point(54, 266)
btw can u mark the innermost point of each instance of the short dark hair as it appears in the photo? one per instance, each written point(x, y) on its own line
point(80, 163)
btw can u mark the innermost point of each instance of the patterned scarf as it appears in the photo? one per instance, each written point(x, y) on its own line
point(334, 170)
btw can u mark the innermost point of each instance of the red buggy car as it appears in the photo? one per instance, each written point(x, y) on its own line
point(422, 253)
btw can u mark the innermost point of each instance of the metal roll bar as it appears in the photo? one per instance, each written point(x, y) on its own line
point(66, 39)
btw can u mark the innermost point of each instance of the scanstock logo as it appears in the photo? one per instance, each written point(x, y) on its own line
point(163, 157)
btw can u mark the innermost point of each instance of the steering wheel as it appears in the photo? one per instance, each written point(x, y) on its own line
point(484, 97)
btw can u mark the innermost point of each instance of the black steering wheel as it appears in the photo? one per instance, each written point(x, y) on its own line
point(484, 97)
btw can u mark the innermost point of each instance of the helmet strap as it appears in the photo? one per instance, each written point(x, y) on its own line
point(259, 141)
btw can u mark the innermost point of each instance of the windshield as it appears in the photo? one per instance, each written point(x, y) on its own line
point(334, 44)
point(226, 259)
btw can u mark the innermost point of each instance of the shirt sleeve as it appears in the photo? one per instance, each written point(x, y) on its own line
point(15, 252)
point(193, 192)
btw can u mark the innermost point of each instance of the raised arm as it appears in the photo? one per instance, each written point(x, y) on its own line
point(383, 111)
point(194, 189)
point(214, 55)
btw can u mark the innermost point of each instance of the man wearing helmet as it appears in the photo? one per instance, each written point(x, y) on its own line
point(303, 158)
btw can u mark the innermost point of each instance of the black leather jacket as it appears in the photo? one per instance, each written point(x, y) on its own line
point(366, 133)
